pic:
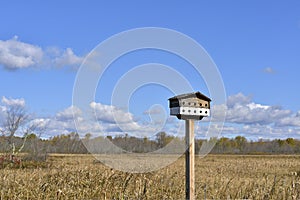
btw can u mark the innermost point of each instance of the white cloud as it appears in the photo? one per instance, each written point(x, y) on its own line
point(110, 114)
point(241, 110)
point(63, 121)
point(238, 99)
point(253, 106)
point(253, 120)
point(269, 70)
point(246, 114)
point(68, 58)
point(40, 125)
point(153, 111)
point(40, 122)
point(13, 102)
point(15, 54)
point(57, 127)
point(113, 119)
point(293, 120)
point(69, 114)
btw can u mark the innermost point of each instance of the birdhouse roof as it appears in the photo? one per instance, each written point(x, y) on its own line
point(198, 95)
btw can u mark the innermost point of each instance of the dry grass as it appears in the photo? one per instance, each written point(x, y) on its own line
point(217, 177)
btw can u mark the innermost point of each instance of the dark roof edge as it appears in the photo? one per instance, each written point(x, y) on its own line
point(189, 95)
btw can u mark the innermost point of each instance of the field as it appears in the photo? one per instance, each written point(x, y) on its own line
point(217, 177)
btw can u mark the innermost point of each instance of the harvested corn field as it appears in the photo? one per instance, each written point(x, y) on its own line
point(217, 177)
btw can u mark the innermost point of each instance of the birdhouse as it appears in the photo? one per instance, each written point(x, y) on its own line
point(190, 106)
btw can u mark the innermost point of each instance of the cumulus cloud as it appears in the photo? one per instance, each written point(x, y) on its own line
point(293, 120)
point(254, 120)
point(40, 122)
point(69, 114)
point(63, 121)
point(241, 109)
point(13, 102)
point(255, 114)
point(15, 54)
point(68, 58)
point(113, 119)
point(110, 114)
point(238, 99)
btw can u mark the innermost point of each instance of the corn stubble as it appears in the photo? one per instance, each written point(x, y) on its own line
point(217, 177)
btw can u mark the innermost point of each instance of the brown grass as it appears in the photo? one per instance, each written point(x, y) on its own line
point(217, 177)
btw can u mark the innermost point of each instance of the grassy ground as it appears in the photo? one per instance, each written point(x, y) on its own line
point(217, 177)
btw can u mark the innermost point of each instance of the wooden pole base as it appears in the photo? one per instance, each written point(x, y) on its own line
point(189, 160)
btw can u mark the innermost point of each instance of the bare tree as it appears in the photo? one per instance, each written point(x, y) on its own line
point(15, 117)
point(16, 121)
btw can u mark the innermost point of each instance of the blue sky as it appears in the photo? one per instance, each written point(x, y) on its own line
point(255, 45)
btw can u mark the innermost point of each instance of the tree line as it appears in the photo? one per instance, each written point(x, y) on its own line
point(73, 144)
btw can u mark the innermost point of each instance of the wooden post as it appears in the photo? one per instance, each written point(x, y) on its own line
point(189, 160)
